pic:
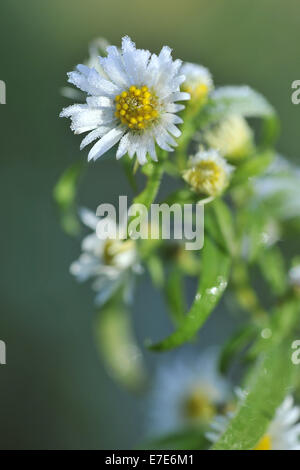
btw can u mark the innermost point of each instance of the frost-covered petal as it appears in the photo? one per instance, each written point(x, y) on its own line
point(105, 143)
point(132, 96)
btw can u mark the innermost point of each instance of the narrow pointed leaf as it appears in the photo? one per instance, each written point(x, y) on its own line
point(213, 281)
point(269, 384)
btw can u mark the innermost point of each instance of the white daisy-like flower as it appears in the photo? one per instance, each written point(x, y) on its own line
point(208, 173)
point(233, 137)
point(110, 262)
point(198, 80)
point(132, 102)
point(186, 392)
point(283, 432)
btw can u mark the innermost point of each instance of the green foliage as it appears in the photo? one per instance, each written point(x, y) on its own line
point(267, 387)
point(64, 194)
point(213, 282)
point(236, 244)
point(117, 345)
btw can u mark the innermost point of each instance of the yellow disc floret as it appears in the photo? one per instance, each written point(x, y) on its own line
point(264, 443)
point(136, 107)
point(206, 177)
point(197, 91)
point(198, 407)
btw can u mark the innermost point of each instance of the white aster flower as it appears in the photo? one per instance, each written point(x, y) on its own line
point(233, 137)
point(132, 102)
point(110, 262)
point(198, 80)
point(283, 432)
point(208, 173)
point(186, 392)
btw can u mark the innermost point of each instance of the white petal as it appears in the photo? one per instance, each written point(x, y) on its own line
point(114, 67)
point(99, 101)
point(105, 143)
point(135, 61)
point(88, 218)
point(95, 134)
point(174, 108)
point(123, 146)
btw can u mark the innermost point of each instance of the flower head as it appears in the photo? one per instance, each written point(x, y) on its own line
point(283, 432)
point(131, 101)
point(110, 262)
point(186, 392)
point(208, 173)
point(198, 80)
point(232, 137)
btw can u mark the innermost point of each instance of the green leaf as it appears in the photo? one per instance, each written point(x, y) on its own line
point(253, 166)
point(64, 194)
point(117, 346)
point(284, 319)
point(226, 224)
point(266, 389)
point(272, 266)
point(252, 225)
point(213, 282)
point(235, 345)
point(156, 270)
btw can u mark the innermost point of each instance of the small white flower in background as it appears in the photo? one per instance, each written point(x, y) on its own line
point(198, 80)
point(133, 102)
point(279, 188)
point(97, 47)
point(111, 263)
point(233, 137)
point(283, 432)
point(294, 276)
point(186, 392)
point(208, 173)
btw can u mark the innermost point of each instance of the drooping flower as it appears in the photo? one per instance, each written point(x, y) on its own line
point(198, 81)
point(133, 102)
point(186, 392)
point(232, 137)
point(283, 432)
point(110, 262)
point(208, 173)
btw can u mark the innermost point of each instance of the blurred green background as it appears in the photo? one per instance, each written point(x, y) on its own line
point(54, 390)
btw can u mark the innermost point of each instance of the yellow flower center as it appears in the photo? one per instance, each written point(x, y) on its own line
point(206, 177)
point(113, 248)
point(136, 107)
point(198, 407)
point(197, 91)
point(264, 444)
